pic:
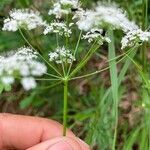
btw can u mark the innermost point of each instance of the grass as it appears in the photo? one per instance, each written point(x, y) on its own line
point(114, 83)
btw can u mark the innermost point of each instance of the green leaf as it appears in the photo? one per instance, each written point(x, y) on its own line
point(1, 88)
point(114, 82)
point(26, 102)
point(128, 145)
point(7, 87)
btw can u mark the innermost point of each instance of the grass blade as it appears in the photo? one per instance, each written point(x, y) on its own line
point(114, 82)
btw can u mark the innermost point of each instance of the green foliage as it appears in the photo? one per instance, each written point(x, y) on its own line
point(93, 112)
point(3, 3)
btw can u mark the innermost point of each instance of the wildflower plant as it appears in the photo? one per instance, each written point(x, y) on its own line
point(94, 27)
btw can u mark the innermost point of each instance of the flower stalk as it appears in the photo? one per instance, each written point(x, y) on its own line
point(65, 109)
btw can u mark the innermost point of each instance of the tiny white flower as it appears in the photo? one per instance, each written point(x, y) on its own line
point(24, 70)
point(57, 27)
point(38, 68)
point(86, 19)
point(64, 7)
point(22, 18)
point(96, 35)
point(28, 83)
point(7, 80)
point(104, 16)
point(61, 55)
point(22, 63)
point(134, 37)
point(71, 3)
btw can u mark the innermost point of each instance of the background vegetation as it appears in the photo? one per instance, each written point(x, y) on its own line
point(91, 99)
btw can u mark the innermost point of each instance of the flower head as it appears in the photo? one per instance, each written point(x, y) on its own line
point(134, 37)
point(61, 55)
point(57, 27)
point(28, 83)
point(104, 16)
point(110, 15)
point(85, 19)
point(96, 35)
point(22, 63)
point(22, 18)
point(63, 7)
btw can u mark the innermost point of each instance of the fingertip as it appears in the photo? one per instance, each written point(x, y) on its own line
point(61, 143)
point(84, 145)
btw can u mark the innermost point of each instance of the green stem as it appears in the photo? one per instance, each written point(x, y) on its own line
point(106, 68)
point(144, 27)
point(65, 107)
point(67, 22)
point(85, 60)
point(26, 40)
point(77, 45)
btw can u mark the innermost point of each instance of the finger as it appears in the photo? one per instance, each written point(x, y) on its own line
point(61, 143)
point(22, 132)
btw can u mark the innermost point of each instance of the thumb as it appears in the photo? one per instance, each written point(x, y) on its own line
point(61, 143)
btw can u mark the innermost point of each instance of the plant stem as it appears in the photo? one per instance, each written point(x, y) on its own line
point(65, 107)
point(85, 60)
point(106, 68)
point(144, 27)
point(77, 45)
point(26, 40)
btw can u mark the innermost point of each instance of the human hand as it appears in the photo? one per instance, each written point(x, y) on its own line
point(32, 133)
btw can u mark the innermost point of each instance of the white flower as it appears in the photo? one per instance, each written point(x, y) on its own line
point(7, 80)
point(24, 70)
point(22, 18)
point(63, 7)
point(10, 25)
point(134, 37)
point(22, 63)
point(57, 27)
point(57, 11)
point(96, 35)
point(104, 16)
point(110, 15)
point(71, 3)
point(61, 55)
point(86, 19)
point(25, 53)
point(37, 68)
point(28, 83)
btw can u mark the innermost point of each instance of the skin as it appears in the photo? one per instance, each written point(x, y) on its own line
point(33, 133)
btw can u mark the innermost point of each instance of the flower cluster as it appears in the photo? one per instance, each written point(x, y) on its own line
point(22, 18)
point(111, 15)
point(96, 35)
point(63, 7)
point(61, 55)
point(133, 37)
point(57, 27)
point(85, 19)
point(104, 16)
point(24, 64)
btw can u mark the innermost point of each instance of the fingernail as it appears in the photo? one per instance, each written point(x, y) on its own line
point(60, 146)
point(85, 144)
